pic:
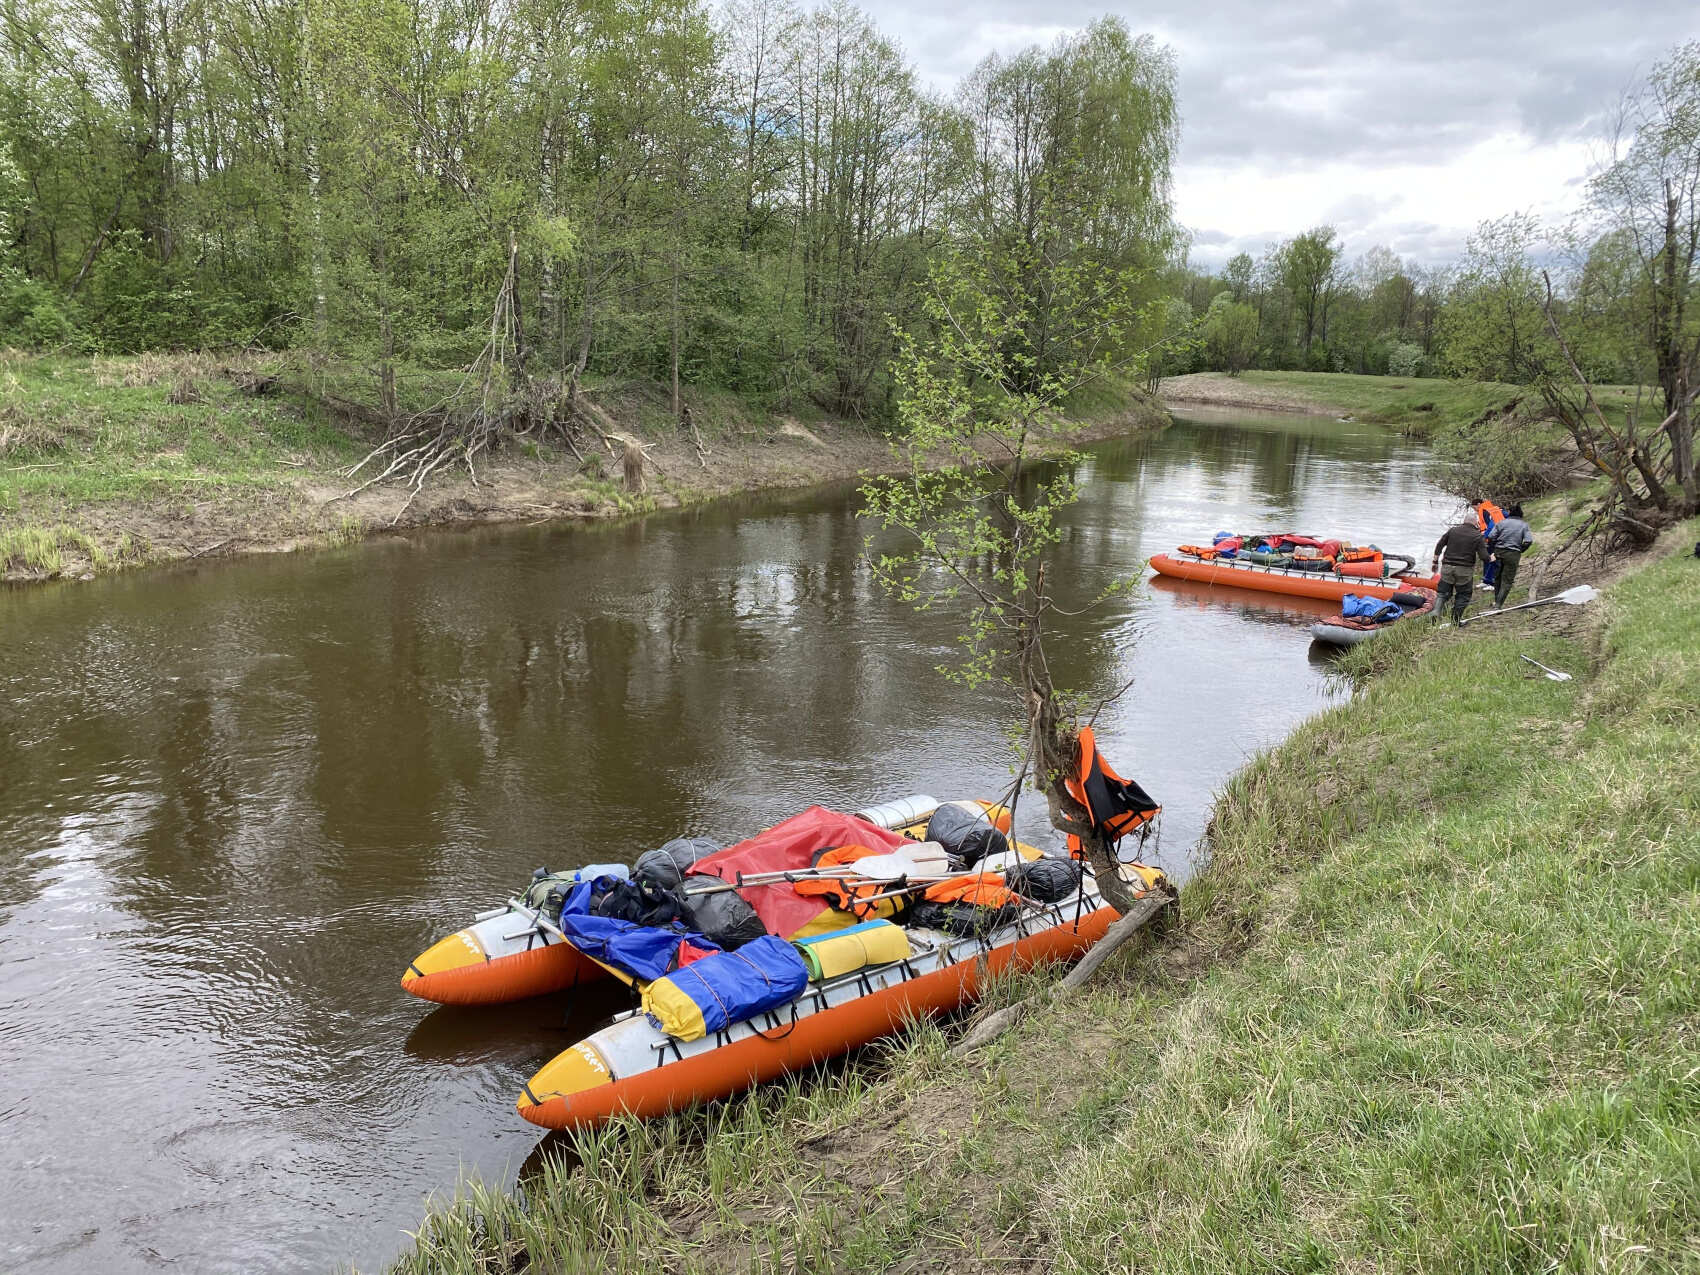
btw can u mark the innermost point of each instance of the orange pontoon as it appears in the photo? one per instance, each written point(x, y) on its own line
point(633, 1066)
point(1298, 584)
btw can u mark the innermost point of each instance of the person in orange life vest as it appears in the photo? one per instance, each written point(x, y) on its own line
point(1488, 516)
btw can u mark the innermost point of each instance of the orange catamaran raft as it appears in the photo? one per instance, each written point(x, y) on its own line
point(780, 951)
point(634, 1066)
point(1299, 566)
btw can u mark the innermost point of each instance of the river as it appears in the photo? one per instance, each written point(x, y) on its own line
point(235, 800)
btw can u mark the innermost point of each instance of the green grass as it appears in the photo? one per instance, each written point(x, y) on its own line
point(1106, 398)
point(1432, 1007)
point(1410, 404)
point(80, 430)
point(1413, 405)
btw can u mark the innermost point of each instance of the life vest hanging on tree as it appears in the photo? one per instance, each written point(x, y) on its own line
point(1118, 806)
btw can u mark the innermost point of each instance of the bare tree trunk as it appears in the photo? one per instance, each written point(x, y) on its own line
point(1056, 755)
point(675, 330)
point(513, 302)
point(1135, 919)
point(1675, 365)
point(386, 367)
point(586, 330)
point(631, 465)
point(94, 248)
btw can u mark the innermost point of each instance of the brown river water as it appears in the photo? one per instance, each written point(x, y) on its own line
point(235, 800)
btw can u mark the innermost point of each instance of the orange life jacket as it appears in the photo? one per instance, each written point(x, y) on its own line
point(983, 889)
point(1118, 806)
point(848, 893)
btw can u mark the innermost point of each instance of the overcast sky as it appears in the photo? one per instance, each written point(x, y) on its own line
point(1400, 123)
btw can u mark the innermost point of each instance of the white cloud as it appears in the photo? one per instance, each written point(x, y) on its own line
point(1405, 122)
point(1418, 209)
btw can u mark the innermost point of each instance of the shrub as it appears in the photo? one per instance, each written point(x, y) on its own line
point(1406, 359)
point(1505, 453)
point(33, 316)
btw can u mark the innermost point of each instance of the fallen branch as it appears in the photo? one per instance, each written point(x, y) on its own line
point(696, 438)
point(1136, 919)
point(211, 547)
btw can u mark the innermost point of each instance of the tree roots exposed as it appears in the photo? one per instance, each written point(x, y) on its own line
point(495, 401)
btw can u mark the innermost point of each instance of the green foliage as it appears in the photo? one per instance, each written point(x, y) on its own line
point(1513, 455)
point(1230, 334)
point(1307, 264)
point(1494, 328)
point(1033, 307)
point(974, 399)
point(1168, 332)
point(1406, 358)
point(1378, 316)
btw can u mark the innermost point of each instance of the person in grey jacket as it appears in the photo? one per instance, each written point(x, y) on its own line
point(1463, 547)
point(1506, 544)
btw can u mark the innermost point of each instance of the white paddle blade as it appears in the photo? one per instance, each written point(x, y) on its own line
point(1581, 593)
point(1552, 674)
point(926, 859)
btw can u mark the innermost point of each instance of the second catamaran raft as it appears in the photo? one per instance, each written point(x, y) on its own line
point(1296, 565)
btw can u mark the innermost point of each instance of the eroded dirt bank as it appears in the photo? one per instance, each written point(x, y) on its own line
point(316, 504)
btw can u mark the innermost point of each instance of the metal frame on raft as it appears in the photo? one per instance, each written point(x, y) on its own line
point(944, 954)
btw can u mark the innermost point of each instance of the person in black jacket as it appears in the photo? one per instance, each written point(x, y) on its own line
point(1456, 554)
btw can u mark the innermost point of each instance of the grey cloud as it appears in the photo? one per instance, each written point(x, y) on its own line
point(1363, 85)
point(1395, 82)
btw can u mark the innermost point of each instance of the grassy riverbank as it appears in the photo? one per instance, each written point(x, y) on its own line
point(112, 462)
point(1416, 406)
point(1432, 1007)
point(1408, 404)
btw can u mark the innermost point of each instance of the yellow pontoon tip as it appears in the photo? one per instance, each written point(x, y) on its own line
point(568, 1072)
point(458, 951)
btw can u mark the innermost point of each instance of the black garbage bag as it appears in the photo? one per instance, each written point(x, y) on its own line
point(639, 901)
point(667, 866)
point(967, 919)
point(1046, 880)
point(724, 916)
point(965, 836)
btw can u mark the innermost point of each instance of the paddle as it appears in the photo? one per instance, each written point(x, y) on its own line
point(1570, 597)
point(1553, 675)
point(920, 859)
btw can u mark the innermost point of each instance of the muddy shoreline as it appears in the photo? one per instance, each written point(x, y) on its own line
point(319, 508)
point(1216, 389)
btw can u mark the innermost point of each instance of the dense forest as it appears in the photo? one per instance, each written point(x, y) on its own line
point(746, 198)
point(755, 198)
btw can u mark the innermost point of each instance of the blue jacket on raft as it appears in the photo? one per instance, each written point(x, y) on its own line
point(1376, 609)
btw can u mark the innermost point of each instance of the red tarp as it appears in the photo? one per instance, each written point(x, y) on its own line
point(788, 847)
point(1327, 548)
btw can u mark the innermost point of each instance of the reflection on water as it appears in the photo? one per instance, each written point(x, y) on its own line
point(236, 800)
